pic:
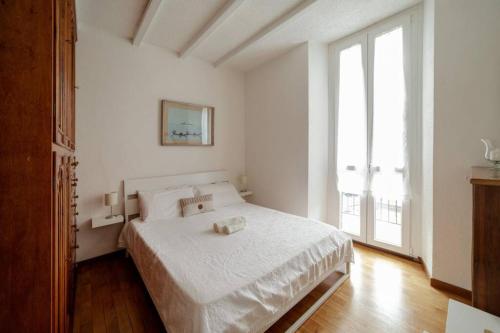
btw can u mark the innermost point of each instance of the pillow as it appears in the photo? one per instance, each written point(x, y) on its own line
point(224, 194)
point(196, 205)
point(162, 204)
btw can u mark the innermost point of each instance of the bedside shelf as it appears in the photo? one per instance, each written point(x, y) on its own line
point(102, 221)
point(246, 193)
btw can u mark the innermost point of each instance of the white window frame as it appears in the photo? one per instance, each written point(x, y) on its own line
point(413, 54)
point(359, 38)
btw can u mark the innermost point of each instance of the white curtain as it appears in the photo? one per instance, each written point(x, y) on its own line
point(389, 153)
point(351, 131)
point(387, 176)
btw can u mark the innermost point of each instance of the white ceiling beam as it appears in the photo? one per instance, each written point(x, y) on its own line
point(147, 18)
point(213, 23)
point(273, 26)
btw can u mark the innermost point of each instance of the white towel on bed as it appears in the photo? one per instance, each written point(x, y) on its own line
point(230, 225)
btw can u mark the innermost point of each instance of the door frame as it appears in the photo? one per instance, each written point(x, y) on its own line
point(355, 39)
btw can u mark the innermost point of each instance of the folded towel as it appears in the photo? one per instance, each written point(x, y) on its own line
point(233, 224)
point(231, 228)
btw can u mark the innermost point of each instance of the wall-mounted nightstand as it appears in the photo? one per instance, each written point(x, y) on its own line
point(103, 221)
point(246, 194)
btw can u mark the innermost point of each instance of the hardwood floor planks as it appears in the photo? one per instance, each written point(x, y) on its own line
point(385, 293)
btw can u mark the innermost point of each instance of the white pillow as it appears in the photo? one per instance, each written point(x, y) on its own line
point(224, 194)
point(162, 204)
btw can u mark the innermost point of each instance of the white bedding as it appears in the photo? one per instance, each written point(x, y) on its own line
point(201, 281)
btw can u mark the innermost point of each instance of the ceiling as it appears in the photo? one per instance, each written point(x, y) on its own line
point(177, 21)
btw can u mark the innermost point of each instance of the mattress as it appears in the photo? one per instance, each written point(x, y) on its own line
point(201, 281)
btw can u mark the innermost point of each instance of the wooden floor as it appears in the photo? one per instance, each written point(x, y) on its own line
point(384, 294)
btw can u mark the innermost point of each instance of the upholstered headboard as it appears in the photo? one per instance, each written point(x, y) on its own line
point(131, 186)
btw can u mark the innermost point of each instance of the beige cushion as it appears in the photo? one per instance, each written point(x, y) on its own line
point(197, 205)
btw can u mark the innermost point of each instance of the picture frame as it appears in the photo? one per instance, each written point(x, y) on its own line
point(186, 124)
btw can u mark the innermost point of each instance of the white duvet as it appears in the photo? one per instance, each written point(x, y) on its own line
point(201, 281)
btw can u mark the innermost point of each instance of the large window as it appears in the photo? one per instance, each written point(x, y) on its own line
point(373, 103)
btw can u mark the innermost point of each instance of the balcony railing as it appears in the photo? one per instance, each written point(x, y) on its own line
point(388, 211)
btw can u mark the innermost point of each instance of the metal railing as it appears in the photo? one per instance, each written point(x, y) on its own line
point(388, 211)
point(351, 204)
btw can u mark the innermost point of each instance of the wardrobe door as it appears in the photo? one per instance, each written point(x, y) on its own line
point(59, 80)
point(72, 229)
point(64, 96)
point(61, 245)
point(69, 79)
point(58, 212)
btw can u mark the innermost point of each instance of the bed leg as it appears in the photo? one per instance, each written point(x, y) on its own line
point(348, 268)
point(126, 254)
point(296, 325)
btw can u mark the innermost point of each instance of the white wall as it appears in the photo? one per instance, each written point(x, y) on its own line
point(118, 122)
point(318, 130)
point(286, 106)
point(276, 127)
point(467, 108)
point(427, 133)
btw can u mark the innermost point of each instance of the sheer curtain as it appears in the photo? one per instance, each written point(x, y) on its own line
point(352, 134)
point(389, 151)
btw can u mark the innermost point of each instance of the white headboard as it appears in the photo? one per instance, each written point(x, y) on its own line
point(131, 186)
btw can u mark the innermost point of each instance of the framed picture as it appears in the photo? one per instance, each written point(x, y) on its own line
point(184, 124)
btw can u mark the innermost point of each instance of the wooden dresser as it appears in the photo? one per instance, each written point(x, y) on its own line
point(486, 240)
point(37, 165)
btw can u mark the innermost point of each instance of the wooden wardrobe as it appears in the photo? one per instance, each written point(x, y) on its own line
point(37, 165)
point(486, 240)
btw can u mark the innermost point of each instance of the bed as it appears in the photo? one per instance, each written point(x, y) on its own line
point(201, 281)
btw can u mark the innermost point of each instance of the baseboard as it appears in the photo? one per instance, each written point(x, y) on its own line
point(435, 283)
point(386, 251)
point(445, 286)
point(425, 267)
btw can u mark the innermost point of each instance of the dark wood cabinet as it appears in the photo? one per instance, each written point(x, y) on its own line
point(486, 240)
point(37, 165)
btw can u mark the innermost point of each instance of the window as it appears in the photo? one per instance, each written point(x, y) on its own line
point(372, 104)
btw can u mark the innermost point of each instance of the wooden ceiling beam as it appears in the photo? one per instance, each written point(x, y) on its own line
point(271, 27)
point(212, 24)
point(145, 23)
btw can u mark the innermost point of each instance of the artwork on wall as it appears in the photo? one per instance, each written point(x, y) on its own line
point(186, 124)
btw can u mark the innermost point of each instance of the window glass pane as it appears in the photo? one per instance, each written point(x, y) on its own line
point(389, 130)
point(351, 136)
point(388, 215)
point(351, 213)
point(389, 135)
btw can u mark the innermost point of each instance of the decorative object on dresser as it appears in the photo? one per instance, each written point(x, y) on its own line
point(37, 171)
point(111, 199)
point(486, 239)
point(184, 124)
point(492, 154)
